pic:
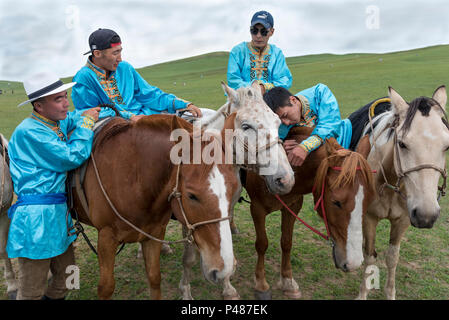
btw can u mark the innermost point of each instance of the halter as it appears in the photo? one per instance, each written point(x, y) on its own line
point(320, 201)
point(175, 194)
point(267, 146)
point(401, 173)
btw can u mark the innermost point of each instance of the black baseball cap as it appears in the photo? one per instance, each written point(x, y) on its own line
point(263, 17)
point(102, 39)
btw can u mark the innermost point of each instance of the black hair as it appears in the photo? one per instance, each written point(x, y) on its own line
point(277, 97)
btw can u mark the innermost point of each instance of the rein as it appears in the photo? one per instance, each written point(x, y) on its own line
point(319, 202)
point(401, 173)
point(175, 194)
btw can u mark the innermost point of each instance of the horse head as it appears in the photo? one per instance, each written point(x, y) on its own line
point(251, 133)
point(421, 139)
point(344, 183)
point(204, 192)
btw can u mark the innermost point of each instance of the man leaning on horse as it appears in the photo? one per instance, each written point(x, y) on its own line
point(41, 153)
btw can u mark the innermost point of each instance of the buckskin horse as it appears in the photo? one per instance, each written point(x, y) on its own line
point(409, 144)
point(132, 188)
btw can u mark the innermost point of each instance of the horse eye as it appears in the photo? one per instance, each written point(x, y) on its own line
point(246, 126)
point(402, 145)
point(192, 197)
point(337, 203)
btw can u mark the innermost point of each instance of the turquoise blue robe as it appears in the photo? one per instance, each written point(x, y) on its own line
point(124, 88)
point(40, 156)
point(247, 65)
point(328, 121)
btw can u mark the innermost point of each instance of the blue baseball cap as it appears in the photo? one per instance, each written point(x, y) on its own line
point(264, 18)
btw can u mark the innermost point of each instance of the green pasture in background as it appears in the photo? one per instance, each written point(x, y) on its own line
point(355, 79)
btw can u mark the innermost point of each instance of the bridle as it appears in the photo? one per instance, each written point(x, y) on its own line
point(400, 172)
point(226, 114)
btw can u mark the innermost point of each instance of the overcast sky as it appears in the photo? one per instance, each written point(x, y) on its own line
point(50, 34)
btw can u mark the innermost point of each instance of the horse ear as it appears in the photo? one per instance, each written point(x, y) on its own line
point(440, 95)
point(399, 105)
point(255, 85)
point(364, 146)
point(233, 96)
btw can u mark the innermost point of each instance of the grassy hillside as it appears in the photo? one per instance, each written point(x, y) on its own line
point(355, 79)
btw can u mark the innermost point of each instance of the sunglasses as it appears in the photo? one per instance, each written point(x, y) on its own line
point(255, 31)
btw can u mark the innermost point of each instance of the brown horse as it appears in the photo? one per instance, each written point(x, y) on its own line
point(135, 169)
point(348, 190)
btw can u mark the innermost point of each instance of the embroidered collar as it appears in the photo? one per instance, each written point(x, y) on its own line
point(53, 125)
point(100, 72)
point(49, 123)
point(308, 117)
point(257, 51)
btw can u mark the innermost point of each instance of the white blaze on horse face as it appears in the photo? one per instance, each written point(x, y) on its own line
point(354, 253)
point(218, 186)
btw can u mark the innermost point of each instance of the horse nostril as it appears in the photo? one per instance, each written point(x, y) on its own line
point(213, 275)
point(414, 213)
point(345, 267)
point(279, 182)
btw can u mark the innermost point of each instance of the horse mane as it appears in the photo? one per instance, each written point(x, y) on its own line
point(424, 105)
point(349, 162)
point(111, 129)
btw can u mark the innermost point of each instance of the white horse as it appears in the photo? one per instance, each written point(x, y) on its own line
point(6, 196)
point(409, 145)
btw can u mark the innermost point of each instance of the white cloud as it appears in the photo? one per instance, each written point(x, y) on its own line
point(45, 34)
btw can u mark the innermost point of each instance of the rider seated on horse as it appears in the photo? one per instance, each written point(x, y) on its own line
point(315, 107)
point(106, 79)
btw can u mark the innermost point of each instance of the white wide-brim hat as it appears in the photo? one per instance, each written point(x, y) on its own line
point(43, 84)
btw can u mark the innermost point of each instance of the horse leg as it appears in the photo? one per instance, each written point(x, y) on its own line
point(398, 228)
point(235, 199)
point(151, 254)
point(286, 283)
point(10, 276)
point(166, 249)
point(262, 288)
point(229, 292)
point(107, 247)
point(369, 232)
point(188, 260)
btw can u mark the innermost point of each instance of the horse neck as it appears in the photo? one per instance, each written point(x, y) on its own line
point(218, 120)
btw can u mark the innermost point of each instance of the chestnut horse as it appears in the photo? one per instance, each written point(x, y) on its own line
point(133, 163)
point(409, 142)
point(346, 193)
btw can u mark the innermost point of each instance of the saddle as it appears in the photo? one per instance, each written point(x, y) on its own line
point(75, 178)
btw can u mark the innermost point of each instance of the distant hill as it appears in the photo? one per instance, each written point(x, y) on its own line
point(355, 78)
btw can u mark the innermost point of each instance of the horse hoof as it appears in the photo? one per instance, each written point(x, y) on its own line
point(166, 250)
point(12, 295)
point(262, 295)
point(235, 230)
point(293, 294)
point(234, 297)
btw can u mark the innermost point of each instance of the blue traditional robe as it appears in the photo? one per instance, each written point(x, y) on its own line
point(124, 88)
point(40, 156)
point(320, 109)
point(247, 64)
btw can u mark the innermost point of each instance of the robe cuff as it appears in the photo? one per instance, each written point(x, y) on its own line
point(311, 143)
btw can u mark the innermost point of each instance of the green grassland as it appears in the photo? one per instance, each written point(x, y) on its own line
point(355, 79)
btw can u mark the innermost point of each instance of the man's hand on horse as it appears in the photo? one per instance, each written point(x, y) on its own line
point(194, 110)
point(296, 156)
point(92, 112)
